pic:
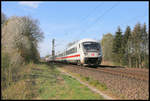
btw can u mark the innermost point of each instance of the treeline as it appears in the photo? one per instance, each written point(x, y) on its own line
point(130, 49)
point(20, 36)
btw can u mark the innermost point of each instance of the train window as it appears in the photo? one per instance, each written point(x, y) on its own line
point(72, 50)
point(75, 50)
point(79, 45)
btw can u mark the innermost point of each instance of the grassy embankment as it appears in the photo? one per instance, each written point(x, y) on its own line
point(43, 81)
point(96, 84)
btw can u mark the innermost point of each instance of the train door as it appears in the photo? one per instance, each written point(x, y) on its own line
point(81, 54)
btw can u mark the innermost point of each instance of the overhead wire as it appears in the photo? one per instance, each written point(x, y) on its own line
point(97, 20)
point(89, 14)
point(85, 18)
point(99, 16)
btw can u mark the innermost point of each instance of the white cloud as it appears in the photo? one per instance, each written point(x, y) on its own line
point(30, 4)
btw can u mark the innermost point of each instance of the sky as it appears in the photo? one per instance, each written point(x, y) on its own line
point(70, 21)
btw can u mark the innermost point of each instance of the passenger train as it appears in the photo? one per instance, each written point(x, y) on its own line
point(83, 52)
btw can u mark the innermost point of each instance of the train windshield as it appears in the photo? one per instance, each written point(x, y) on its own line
point(91, 46)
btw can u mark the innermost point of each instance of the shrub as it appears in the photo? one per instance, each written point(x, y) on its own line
point(5, 59)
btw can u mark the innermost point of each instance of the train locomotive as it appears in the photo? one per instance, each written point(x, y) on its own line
point(84, 52)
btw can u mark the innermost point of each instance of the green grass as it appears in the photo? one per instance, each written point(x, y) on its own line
point(66, 87)
point(99, 85)
point(43, 81)
point(94, 83)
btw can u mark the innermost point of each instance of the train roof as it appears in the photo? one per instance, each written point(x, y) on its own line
point(77, 42)
point(87, 39)
point(80, 41)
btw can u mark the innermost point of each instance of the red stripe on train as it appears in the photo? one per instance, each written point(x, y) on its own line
point(69, 56)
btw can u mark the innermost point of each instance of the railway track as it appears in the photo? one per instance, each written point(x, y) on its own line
point(123, 72)
point(132, 84)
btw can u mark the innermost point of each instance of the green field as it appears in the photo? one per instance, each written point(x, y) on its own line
point(44, 81)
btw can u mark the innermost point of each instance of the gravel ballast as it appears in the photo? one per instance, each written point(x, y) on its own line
point(128, 88)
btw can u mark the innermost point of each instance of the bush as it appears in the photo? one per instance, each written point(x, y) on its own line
point(5, 67)
point(10, 68)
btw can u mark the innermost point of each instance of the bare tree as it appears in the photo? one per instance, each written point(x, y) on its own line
point(19, 41)
point(22, 34)
point(106, 43)
point(3, 18)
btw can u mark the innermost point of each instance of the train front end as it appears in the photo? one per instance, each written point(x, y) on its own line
point(92, 53)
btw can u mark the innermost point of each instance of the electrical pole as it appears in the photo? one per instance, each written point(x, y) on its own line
point(53, 49)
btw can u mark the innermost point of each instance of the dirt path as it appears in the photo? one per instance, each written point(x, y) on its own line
point(122, 87)
point(90, 87)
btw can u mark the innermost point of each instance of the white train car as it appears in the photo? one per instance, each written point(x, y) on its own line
point(83, 52)
point(49, 59)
